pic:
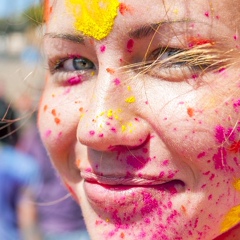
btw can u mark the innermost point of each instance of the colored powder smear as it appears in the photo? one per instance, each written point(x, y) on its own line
point(231, 219)
point(236, 184)
point(94, 18)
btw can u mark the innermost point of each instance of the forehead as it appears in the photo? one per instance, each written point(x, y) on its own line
point(131, 13)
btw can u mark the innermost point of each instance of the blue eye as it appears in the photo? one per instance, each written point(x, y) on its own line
point(82, 64)
point(75, 64)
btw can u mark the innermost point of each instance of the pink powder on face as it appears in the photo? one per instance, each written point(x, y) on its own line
point(92, 133)
point(150, 203)
point(48, 133)
point(75, 80)
point(220, 158)
point(220, 134)
point(202, 154)
point(130, 45)
point(103, 48)
point(236, 105)
point(117, 81)
point(207, 14)
point(137, 162)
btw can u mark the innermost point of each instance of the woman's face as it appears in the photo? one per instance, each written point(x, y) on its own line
point(140, 115)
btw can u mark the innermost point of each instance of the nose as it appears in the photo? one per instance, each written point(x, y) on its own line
point(112, 115)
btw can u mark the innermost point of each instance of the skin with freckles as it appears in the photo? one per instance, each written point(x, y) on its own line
point(142, 122)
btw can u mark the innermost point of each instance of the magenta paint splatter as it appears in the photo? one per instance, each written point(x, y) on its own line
point(236, 105)
point(220, 134)
point(150, 203)
point(101, 135)
point(117, 81)
point(221, 70)
point(130, 45)
point(202, 154)
point(75, 80)
point(137, 162)
point(92, 133)
point(48, 133)
point(220, 158)
point(235, 37)
point(113, 129)
point(207, 14)
point(103, 48)
point(165, 162)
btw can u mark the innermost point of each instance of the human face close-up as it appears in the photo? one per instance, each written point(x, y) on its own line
point(140, 115)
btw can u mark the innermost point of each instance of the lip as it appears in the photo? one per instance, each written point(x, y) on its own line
point(108, 193)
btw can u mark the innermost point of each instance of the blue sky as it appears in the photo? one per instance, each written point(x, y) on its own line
point(14, 7)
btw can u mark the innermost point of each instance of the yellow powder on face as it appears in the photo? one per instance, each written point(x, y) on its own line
point(231, 219)
point(130, 99)
point(236, 184)
point(94, 18)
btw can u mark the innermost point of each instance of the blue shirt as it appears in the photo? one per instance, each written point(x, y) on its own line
point(18, 172)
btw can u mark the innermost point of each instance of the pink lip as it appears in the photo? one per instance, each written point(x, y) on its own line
point(106, 194)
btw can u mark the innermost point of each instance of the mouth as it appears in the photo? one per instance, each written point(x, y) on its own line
point(104, 192)
point(117, 181)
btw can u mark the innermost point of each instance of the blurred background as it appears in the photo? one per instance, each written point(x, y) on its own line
point(34, 203)
point(21, 63)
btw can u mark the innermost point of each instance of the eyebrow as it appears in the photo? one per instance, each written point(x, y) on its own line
point(147, 30)
point(141, 32)
point(70, 37)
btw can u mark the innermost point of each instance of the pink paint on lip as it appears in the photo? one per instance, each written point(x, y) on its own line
point(125, 195)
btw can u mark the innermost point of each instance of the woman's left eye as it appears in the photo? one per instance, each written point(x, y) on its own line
point(75, 64)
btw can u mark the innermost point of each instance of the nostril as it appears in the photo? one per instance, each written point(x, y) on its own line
point(124, 148)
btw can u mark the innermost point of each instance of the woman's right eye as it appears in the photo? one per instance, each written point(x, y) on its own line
point(75, 64)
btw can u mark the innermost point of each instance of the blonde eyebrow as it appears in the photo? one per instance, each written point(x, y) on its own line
point(77, 38)
point(149, 29)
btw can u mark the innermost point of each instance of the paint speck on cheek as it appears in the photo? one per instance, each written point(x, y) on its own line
point(207, 14)
point(117, 81)
point(202, 154)
point(48, 133)
point(91, 133)
point(190, 112)
point(45, 108)
point(220, 158)
point(236, 184)
point(54, 113)
point(131, 99)
point(57, 120)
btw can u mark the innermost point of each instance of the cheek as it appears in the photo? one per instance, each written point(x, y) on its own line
point(57, 121)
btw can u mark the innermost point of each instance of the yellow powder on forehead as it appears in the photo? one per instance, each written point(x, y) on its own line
point(94, 18)
point(231, 219)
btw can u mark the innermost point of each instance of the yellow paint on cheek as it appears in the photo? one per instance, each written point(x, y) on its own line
point(231, 219)
point(94, 18)
point(236, 184)
point(130, 99)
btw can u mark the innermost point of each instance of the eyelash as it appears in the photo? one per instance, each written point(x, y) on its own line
point(172, 64)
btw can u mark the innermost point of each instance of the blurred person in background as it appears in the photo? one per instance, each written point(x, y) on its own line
point(19, 179)
point(60, 217)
